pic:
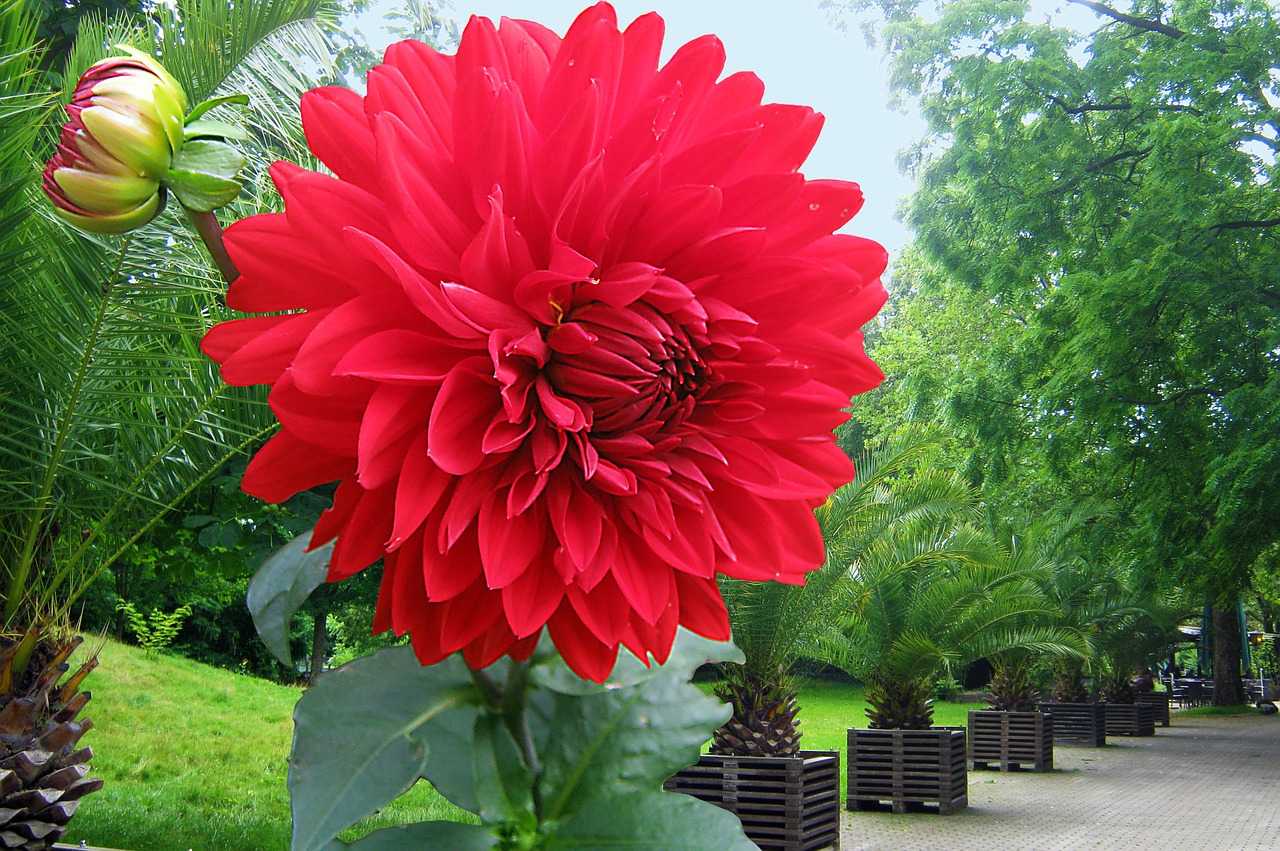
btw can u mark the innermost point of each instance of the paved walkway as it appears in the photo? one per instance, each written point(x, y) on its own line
point(1203, 784)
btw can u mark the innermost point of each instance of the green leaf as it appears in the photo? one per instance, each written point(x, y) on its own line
point(503, 782)
point(449, 739)
point(203, 193)
point(208, 128)
point(280, 587)
point(213, 103)
point(651, 821)
point(627, 738)
point(208, 157)
point(203, 174)
point(421, 836)
point(355, 747)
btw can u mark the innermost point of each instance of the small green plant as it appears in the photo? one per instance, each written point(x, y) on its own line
point(945, 687)
point(158, 629)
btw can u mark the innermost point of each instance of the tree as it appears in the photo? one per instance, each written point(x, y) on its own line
point(776, 625)
point(931, 591)
point(1104, 204)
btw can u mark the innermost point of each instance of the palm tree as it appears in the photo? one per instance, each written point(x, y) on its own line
point(932, 595)
point(778, 625)
point(1044, 551)
point(109, 413)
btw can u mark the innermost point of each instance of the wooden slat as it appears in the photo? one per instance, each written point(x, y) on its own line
point(1159, 700)
point(908, 768)
point(1084, 723)
point(784, 804)
point(1130, 719)
point(1010, 740)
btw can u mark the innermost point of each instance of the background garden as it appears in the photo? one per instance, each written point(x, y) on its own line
point(1075, 454)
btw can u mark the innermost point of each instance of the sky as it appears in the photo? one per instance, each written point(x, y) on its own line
point(802, 57)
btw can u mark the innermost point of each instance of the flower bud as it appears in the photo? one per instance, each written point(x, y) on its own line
point(125, 125)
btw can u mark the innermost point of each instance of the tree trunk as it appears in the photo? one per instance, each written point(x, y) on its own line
point(1228, 690)
point(319, 638)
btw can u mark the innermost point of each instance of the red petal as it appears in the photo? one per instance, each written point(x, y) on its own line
point(467, 402)
point(498, 257)
point(467, 616)
point(338, 133)
point(418, 490)
point(258, 349)
point(494, 643)
point(643, 638)
point(279, 270)
point(645, 584)
point(401, 356)
point(508, 545)
point(532, 598)
point(363, 539)
point(603, 609)
point(702, 608)
point(576, 519)
point(430, 80)
point(585, 655)
point(285, 466)
point(393, 419)
point(450, 574)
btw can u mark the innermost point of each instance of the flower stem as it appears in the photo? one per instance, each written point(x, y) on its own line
point(508, 700)
point(517, 720)
point(206, 224)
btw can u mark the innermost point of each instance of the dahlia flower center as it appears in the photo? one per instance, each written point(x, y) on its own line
point(637, 366)
point(606, 369)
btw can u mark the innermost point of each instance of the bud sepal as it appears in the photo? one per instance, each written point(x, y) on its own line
point(129, 140)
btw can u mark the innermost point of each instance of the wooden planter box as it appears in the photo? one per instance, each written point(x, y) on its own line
point(1130, 719)
point(908, 769)
point(1010, 740)
point(1160, 701)
point(784, 803)
point(1084, 723)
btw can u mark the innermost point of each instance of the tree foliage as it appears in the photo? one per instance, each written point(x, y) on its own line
point(1092, 295)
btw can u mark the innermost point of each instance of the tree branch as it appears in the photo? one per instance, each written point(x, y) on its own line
point(1123, 155)
point(1118, 106)
point(1140, 23)
point(1246, 223)
point(1089, 107)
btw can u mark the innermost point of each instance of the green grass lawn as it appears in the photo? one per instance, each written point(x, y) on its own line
point(194, 756)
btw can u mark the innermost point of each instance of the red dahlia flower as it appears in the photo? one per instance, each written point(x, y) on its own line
point(570, 327)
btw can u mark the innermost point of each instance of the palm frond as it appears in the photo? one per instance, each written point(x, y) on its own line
point(110, 414)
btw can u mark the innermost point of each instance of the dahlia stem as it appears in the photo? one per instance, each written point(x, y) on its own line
point(517, 721)
point(206, 224)
point(508, 701)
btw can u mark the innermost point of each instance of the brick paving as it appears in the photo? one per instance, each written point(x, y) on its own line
point(1203, 784)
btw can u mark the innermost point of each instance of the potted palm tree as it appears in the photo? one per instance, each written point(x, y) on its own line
point(1090, 597)
point(785, 796)
point(1099, 602)
point(932, 594)
point(1138, 638)
point(109, 413)
point(1013, 732)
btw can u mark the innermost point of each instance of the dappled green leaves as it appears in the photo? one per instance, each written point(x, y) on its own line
point(1090, 302)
